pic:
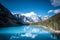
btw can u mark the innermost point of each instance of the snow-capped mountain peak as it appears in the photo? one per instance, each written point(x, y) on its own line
point(29, 17)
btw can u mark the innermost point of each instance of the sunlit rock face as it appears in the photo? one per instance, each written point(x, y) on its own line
point(28, 19)
point(6, 18)
point(22, 18)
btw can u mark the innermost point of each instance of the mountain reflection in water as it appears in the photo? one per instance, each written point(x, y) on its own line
point(26, 33)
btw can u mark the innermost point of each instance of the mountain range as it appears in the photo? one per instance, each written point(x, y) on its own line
point(25, 19)
point(8, 19)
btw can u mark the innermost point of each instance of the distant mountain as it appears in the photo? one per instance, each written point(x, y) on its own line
point(7, 19)
point(31, 19)
point(36, 18)
point(53, 22)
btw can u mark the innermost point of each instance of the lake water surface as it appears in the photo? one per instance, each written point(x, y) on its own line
point(34, 32)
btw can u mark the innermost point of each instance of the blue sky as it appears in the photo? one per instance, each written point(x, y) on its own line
point(40, 7)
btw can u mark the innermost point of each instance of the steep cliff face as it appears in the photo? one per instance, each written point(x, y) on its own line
point(7, 19)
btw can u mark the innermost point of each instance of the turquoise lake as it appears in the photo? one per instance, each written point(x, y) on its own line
point(34, 32)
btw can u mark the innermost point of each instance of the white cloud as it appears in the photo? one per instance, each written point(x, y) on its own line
point(54, 11)
point(55, 2)
point(50, 11)
point(57, 11)
point(29, 14)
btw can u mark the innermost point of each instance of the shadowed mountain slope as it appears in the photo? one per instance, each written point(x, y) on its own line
point(53, 22)
point(6, 18)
